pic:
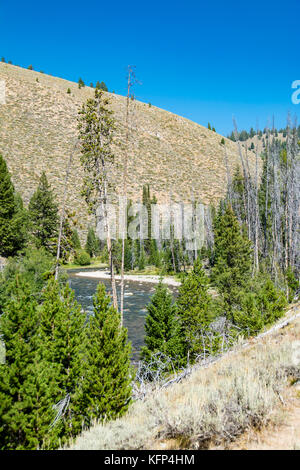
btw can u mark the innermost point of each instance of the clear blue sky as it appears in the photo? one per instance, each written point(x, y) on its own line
point(205, 60)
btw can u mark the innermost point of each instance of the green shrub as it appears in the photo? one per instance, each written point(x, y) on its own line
point(82, 258)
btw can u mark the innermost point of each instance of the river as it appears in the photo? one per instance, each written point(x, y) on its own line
point(137, 296)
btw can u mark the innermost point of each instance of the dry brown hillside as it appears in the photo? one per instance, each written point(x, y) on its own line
point(38, 130)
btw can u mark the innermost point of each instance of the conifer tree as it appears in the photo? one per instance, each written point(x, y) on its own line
point(162, 328)
point(81, 83)
point(142, 259)
point(76, 245)
point(107, 381)
point(26, 389)
point(96, 127)
point(43, 215)
point(258, 306)
point(195, 311)
point(127, 256)
point(91, 246)
point(232, 256)
point(12, 215)
point(62, 338)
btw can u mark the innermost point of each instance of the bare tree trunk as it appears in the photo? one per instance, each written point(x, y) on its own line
point(256, 247)
point(125, 160)
point(109, 246)
point(172, 233)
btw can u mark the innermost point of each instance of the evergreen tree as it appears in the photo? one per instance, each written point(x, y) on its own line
point(26, 389)
point(292, 284)
point(43, 215)
point(232, 256)
point(101, 86)
point(20, 225)
point(195, 311)
point(142, 259)
point(162, 330)
point(81, 83)
point(127, 256)
point(107, 380)
point(76, 245)
point(260, 305)
point(91, 246)
point(238, 195)
point(34, 267)
point(154, 256)
point(62, 337)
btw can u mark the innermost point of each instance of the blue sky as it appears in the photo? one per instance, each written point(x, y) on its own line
point(206, 61)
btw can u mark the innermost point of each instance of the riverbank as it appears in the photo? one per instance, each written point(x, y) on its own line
point(170, 281)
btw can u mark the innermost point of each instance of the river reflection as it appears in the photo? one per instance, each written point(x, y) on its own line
point(137, 296)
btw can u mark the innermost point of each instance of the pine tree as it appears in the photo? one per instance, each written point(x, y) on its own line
point(107, 381)
point(195, 311)
point(161, 326)
point(43, 215)
point(62, 337)
point(127, 256)
point(101, 86)
point(81, 83)
point(292, 283)
point(238, 195)
point(96, 127)
point(142, 259)
point(20, 225)
point(232, 256)
point(91, 246)
point(12, 215)
point(26, 391)
point(261, 304)
point(76, 245)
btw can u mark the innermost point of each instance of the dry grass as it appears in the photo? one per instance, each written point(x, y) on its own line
point(172, 154)
point(212, 407)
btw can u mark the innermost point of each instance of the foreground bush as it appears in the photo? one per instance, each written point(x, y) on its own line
point(82, 258)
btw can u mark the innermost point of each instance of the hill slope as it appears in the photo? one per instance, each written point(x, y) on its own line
point(218, 402)
point(38, 129)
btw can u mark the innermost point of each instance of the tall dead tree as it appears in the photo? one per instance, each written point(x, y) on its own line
point(96, 127)
point(131, 80)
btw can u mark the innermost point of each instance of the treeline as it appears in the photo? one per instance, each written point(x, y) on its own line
point(244, 135)
point(37, 225)
point(214, 306)
point(247, 270)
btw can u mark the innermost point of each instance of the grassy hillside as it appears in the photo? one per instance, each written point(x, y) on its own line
point(172, 154)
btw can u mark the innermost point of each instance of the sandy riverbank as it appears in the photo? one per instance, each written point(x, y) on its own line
point(130, 277)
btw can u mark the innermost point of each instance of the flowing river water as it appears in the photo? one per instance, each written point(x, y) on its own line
point(137, 296)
